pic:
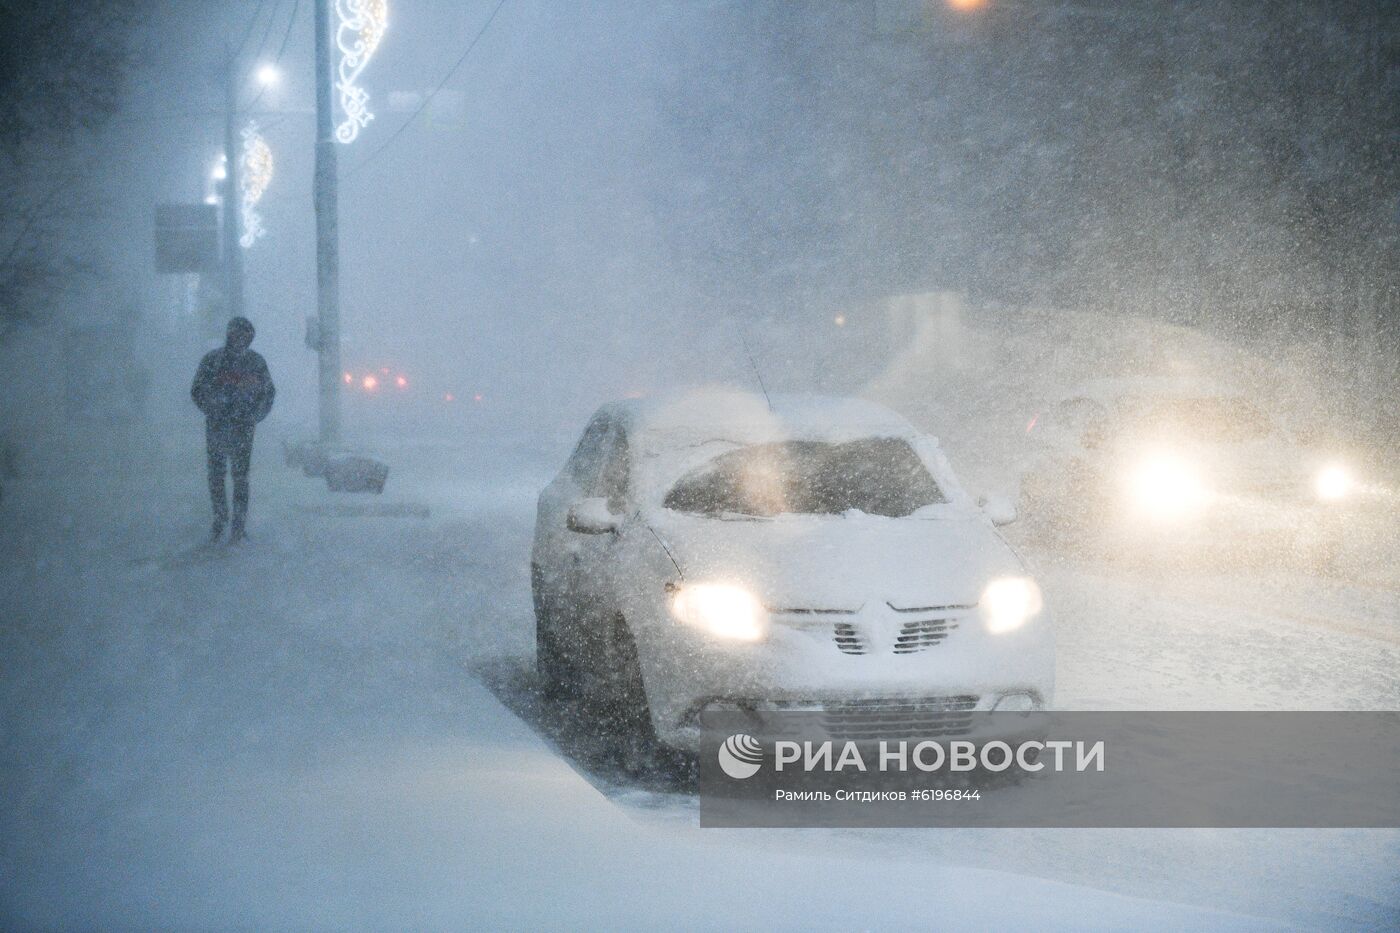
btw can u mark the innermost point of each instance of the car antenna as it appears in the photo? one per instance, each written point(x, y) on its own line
point(756, 374)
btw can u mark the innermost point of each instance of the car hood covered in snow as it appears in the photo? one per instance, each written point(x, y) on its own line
point(841, 561)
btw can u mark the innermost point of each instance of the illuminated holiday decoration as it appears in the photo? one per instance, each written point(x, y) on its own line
point(362, 24)
point(253, 179)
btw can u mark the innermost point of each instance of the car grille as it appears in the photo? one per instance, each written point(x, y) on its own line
point(932, 625)
point(848, 639)
point(918, 634)
point(861, 720)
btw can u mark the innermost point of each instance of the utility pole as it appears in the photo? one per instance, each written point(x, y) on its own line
point(233, 250)
point(327, 236)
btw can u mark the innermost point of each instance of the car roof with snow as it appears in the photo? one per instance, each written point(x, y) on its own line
point(747, 417)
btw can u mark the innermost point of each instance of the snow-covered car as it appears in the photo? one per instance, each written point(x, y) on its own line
point(718, 552)
point(1128, 466)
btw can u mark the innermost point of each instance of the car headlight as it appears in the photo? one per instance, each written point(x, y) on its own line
point(721, 609)
point(1009, 603)
point(1166, 488)
point(1333, 483)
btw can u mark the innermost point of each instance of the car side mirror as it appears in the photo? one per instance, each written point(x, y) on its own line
point(997, 508)
point(592, 517)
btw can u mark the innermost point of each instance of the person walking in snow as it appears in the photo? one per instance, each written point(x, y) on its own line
point(234, 390)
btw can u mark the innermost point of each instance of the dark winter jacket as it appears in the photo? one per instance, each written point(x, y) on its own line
point(233, 387)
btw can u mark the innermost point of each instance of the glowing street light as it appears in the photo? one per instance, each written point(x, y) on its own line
point(268, 75)
point(219, 172)
point(211, 199)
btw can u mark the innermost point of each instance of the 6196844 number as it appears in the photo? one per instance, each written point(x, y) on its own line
point(945, 793)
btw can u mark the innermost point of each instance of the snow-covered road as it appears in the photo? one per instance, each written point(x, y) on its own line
point(336, 726)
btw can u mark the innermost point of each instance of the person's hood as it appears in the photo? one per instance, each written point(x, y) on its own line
point(842, 562)
point(239, 335)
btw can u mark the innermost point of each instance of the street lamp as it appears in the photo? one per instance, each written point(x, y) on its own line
point(243, 174)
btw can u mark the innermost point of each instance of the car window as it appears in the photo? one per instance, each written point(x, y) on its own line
point(1076, 414)
point(1080, 420)
point(878, 475)
point(587, 458)
point(613, 478)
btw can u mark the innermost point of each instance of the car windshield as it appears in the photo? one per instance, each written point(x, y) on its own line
point(878, 475)
point(1210, 420)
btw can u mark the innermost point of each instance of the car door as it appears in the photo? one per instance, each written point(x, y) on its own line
point(555, 545)
point(594, 555)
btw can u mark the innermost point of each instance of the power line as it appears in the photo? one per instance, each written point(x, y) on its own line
point(427, 100)
point(296, 5)
point(248, 32)
point(267, 33)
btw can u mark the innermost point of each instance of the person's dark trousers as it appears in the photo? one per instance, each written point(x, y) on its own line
point(230, 449)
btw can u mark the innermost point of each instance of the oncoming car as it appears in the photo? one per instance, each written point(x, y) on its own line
point(718, 553)
point(1183, 470)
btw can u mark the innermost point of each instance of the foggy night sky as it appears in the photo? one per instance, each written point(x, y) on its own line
point(605, 194)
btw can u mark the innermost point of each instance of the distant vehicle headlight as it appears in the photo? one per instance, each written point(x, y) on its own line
point(1009, 603)
point(1166, 488)
point(722, 609)
point(1333, 483)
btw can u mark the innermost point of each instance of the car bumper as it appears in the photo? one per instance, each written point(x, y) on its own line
point(880, 694)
